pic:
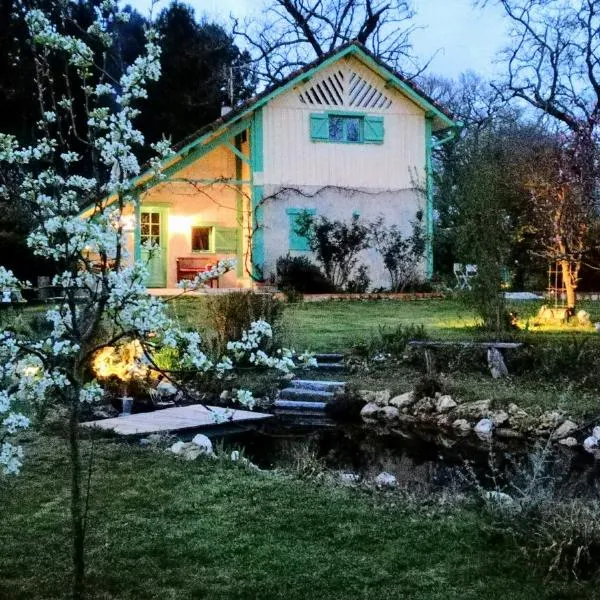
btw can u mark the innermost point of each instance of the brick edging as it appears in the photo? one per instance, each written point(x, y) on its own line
point(367, 296)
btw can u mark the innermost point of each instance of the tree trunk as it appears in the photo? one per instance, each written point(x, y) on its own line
point(77, 517)
point(569, 277)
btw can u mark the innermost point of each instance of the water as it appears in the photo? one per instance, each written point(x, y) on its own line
point(420, 460)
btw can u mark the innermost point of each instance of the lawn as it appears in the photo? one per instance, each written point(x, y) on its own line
point(162, 528)
point(338, 325)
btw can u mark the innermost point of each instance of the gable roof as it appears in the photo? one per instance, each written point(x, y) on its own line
point(230, 124)
point(442, 118)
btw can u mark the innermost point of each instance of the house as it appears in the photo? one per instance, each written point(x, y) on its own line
point(343, 135)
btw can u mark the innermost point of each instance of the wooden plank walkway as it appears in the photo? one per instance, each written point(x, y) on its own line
point(176, 419)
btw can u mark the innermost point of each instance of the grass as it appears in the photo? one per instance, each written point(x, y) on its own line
point(338, 325)
point(162, 528)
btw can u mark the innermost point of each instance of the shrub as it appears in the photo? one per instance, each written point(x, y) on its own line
point(395, 341)
point(336, 244)
point(299, 274)
point(560, 536)
point(360, 283)
point(231, 314)
point(401, 255)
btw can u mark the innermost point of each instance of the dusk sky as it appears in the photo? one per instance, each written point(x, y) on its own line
point(466, 38)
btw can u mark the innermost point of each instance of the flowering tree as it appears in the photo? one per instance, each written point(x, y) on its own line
point(79, 161)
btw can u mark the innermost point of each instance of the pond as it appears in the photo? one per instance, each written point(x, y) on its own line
point(420, 460)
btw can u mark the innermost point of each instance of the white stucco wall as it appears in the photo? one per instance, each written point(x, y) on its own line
point(398, 208)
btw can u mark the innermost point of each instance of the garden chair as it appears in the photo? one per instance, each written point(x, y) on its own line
point(470, 273)
point(459, 272)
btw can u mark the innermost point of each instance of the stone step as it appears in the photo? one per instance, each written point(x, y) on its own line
point(300, 405)
point(322, 386)
point(330, 366)
point(306, 395)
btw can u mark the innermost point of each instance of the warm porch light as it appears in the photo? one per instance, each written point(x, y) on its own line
point(125, 362)
point(179, 224)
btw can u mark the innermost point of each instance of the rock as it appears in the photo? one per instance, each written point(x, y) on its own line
point(349, 478)
point(403, 400)
point(381, 397)
point(461, 425)
point(474, 410)
point(204, 443)
point(496, 363)
point(551, 419)
point(386, 480)
point(237, 457)
point(191, 452)
point(484, 427)
point(144, 442)
point(596, 432)
point(506, 433)
point(370, 412)
point(105, 412)
point(389, 413)
point(583, 318)
point(225, 395)
point(519, 418)
point(177, 447)
point(166, 389)
point(570, 442)
point(499, 418)
point(514, 410)
point(590, 443)
point(424, 405)
point(565, 430)
point(444, 421)
point(445, 403)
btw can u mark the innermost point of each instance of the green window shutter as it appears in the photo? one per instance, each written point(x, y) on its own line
point(319, 127)
point(296, 241)
point(226, 240)
point(374, 130)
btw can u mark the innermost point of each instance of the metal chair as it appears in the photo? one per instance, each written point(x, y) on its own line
point(470, 273)
point(459, 273)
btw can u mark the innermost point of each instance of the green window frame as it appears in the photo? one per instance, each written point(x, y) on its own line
point(297, 242)
point(347, 128)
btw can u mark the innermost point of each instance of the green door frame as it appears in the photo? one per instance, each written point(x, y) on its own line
point(164, 233)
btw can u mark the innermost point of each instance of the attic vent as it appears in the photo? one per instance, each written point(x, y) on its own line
point(340, 89)
point(364, 95)
point(328, 92)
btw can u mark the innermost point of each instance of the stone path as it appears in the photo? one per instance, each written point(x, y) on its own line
point(196, 416)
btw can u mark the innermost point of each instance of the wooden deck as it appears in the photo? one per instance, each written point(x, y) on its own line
point(181, 418)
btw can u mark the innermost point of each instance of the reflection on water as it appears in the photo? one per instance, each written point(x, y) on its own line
point(420, 461)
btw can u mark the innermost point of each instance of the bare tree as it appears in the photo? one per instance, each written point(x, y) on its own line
point(293, 33)
point(553, 65)
point(553, 61)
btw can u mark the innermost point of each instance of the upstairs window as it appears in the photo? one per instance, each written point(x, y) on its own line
point(345, 129)
point(349, 128)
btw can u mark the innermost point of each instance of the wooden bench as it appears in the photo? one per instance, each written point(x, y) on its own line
point(494, 355)
point(188, 267)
